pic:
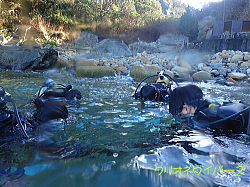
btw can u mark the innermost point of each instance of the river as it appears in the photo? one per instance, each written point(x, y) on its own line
point(111, 139)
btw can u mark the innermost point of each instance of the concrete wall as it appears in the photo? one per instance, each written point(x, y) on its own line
point(216, 45)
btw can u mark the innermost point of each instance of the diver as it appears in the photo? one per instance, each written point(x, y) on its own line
point(48, 107)
point(158, 91)
point(188, 102)
point(12, 122)
point(51, 89)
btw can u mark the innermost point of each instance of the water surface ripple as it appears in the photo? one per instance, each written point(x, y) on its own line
point(110, 139)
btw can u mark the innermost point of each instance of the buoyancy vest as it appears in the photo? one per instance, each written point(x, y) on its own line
point(212, 116)
point(154, 92)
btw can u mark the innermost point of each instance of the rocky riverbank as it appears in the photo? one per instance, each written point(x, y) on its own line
point(89, 57)
point(226, 67)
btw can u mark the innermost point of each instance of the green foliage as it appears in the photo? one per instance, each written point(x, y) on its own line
point(109, 18)
point(9, 14)
point(113, 18)
point(149, 10)
point(54, 12)
point(189, 24)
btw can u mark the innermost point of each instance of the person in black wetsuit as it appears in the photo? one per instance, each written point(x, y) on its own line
point(12, 121)
point(188, 102)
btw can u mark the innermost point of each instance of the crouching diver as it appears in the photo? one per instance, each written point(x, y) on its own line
point(188, 102)
point(158, 91)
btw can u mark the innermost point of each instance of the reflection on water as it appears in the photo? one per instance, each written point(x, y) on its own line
point(110, 139)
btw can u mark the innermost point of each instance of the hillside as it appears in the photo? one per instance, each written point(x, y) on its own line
point(57, 21)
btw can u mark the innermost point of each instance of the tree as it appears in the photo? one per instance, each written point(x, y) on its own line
point(189, 24)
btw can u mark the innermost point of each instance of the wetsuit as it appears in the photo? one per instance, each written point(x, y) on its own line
point(7, 120)
point(228, 117)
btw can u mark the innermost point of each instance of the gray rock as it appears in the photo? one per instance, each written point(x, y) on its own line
point(223, 73)
point(140, 47)
point(201, 76)
point(232, 67)
point(248, 80)
point(229, 83)
point(179, 70)
point(140, 72)
point(109, 48)
point(220, 81)
point(216, 65)
point(21, 58)
point(183, 77)
point(86, 39)
point(215, 73)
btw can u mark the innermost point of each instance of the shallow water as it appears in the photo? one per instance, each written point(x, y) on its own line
point(110, 139)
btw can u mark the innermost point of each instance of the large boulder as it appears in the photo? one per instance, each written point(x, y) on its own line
point(236, 58)
point(22, 58)
point(201, 76)
point(86, 39)
point(109, 48)
point(140, 72)
point(140, 47)
point(168, 42)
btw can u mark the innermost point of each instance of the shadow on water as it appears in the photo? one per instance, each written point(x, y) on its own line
point(110, 139)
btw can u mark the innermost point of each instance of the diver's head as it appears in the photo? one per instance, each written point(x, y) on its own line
point(72, 94)
point(185, 100)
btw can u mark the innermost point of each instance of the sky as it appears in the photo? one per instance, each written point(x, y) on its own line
point(198, 3)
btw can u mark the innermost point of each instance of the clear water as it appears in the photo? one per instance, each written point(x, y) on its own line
point(110, 139)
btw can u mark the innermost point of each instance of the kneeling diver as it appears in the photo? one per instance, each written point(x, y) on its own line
point(188, 102)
